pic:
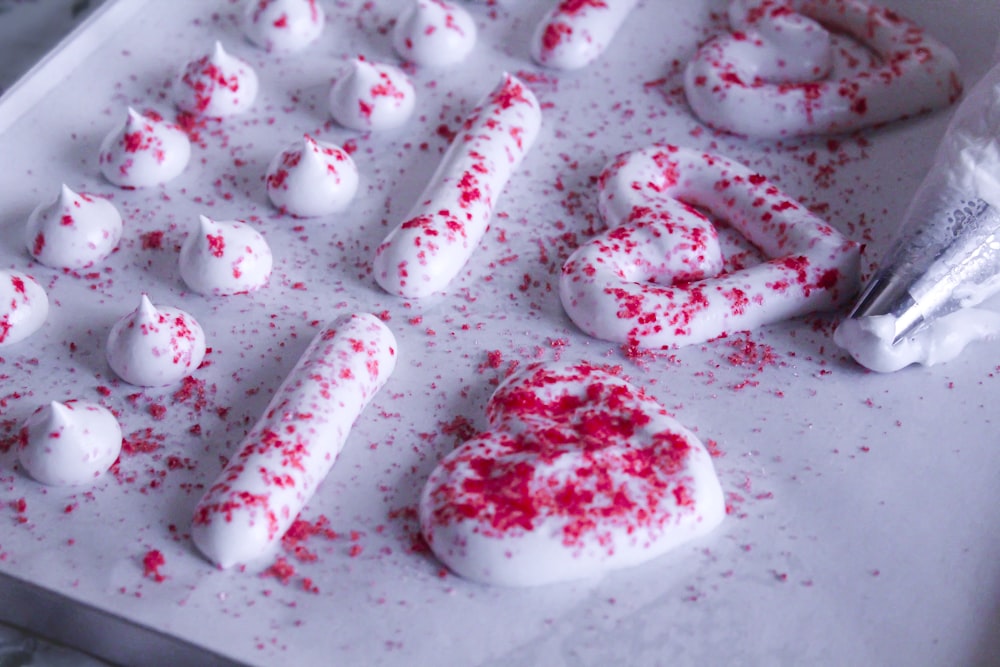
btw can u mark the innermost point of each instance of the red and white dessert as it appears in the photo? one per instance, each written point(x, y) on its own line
point(425, 252)
point(221, 258)
point(23, 306)
point(216, 85)
point(283, 25)
point(576, 32)
point(144, 151)
point(644, 282)
point(774, 75)
point(64, 444)
point(74, 231)
point(580, 473)
point(290, 450)
point(372, 96)
point(435, 33)
point(155, 347)
point(311, 178)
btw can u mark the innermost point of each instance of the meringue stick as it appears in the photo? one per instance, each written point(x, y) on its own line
point(290, 450)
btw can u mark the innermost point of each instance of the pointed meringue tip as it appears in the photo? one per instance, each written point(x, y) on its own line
point(219, 51)
point(205, 223)
point(66, 194)
point(60, 412)
point(146, 307)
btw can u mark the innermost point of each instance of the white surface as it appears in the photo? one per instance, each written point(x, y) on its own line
point(863, 508)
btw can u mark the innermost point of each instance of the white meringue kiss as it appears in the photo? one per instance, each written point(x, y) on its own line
point(23, 307)
point(311, 178)
point(372, 96)
point(434, 33)
point(225, 257)
point(64, 444)
point(153, 347)
point(73, 231)
point(283, 25)
point(216, 85)
point(144, 151)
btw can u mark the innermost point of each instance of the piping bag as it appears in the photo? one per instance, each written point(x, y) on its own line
point(920, 306)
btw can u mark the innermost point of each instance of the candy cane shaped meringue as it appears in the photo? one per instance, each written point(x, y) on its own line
point(576, 32)
point(292, 447)
point(424, 253)
point(772, 77)
point(606, 285)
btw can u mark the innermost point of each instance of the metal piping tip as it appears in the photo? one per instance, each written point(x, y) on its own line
point(927, 275)
point(887, 293)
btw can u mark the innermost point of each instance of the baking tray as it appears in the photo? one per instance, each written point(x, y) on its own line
point(860, 523)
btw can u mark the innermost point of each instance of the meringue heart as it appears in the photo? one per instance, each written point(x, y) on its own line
point(580, 473)
point(654, 278)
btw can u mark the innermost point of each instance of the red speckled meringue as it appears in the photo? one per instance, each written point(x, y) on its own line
point(23, 307)
point(144, 151)
point(292, 447)
point(225, 257)
point(216, 85)
point(372, 96)
point(774, 75)
point(155, 347)
point(425, 252)
point(311, 178)
point(74, 231)
point(576, 32)
point(64, 444)
point(655, 234)
point(283, 25)
point(580, 473)
point(435, 33)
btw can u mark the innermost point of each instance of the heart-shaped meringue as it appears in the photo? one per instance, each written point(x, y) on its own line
point(774, 75)
point(581, 473)
point(607, 284)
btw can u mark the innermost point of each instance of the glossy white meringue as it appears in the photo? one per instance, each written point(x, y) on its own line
point(283, 25)
point(23, 307)
point(435, 33)
point(372, 96)
point(69, 443)
point(153, 347)
point(74, 231)
point(216, 85)
point(144, 151)
point(225, 257)
point(311, 178)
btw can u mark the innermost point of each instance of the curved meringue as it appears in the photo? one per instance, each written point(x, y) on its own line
point(283, 25)
point(69, 443)
point(311, 178)
point(73, 231)
point(23, 307)
point(144, 151)
point(216, 85)
point(226, 257)
point(372, 96)
point(434, 33)
point(153, 347)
